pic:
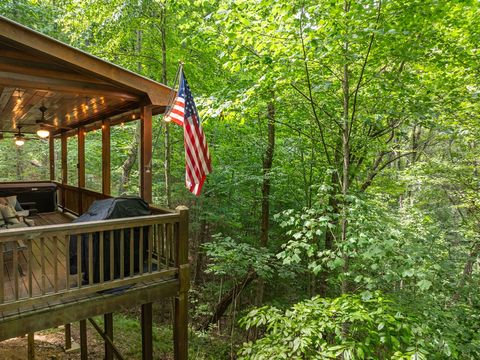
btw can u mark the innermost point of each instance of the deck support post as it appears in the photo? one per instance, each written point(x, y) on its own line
point(106, 157)
point(31, 346)
point(81, 165)
point(146, 153)
point(68, 337)
point(83, 340)
point(180, 331)
point(64, 166)
point(147, 345)
point(51, 152)
point(108, 328)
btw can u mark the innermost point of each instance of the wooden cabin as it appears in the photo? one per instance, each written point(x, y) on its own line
point(79, 93)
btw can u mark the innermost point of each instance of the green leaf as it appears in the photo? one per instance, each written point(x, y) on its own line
point(424, 284)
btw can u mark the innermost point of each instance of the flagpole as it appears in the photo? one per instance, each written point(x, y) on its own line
point(172, 98)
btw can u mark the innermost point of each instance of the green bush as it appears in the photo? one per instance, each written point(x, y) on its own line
point(347, 327)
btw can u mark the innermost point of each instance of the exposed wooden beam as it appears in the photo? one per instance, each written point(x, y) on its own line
point(51, 152)
point(43, 69)
point(59, 85)
point(64, 166)
point(146, 153)
point(98, 118)
point(19, 36)
point(106, 157)
point(106, 339)
point(58, 314)
point(81, 165)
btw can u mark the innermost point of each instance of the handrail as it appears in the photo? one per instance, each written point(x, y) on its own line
point(78, 228)
point(58, 262)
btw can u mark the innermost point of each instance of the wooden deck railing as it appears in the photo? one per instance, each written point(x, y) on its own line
point(77, 200)
point(37, 264)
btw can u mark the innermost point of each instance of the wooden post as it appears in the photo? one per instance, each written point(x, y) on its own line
point(81, 166)
point(83, 340)
point(147, 345)
point(106, 157)
point(51, 150)
point(31, 346)
point(108, 328)
point(146, 153)
point(68, 337)
point(64, 166)
point(180, 331)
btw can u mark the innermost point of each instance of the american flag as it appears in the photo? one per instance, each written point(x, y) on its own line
point(197, 158)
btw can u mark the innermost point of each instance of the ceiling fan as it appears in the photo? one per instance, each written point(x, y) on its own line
point(44, 125)
point(20, 138)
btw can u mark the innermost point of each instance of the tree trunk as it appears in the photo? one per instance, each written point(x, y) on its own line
point(167, 142)
point(267, 167)
point(129, 162)
point(467, 269)
point(198, 255)
point(227, 299)
point(346, 154)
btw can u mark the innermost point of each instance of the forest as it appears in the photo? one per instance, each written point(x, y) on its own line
point(341, 219)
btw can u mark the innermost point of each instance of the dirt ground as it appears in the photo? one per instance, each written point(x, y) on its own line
point(49, 345)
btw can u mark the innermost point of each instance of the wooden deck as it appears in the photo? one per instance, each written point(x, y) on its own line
point(38, 290)
point(42, 279)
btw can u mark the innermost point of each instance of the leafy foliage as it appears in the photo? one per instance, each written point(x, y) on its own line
point(234, 258)
point(375, 178)
point(348, 327)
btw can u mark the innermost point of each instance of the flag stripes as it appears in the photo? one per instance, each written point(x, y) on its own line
point(198, 163)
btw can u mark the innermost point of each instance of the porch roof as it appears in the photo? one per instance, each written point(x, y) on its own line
point(76, 88)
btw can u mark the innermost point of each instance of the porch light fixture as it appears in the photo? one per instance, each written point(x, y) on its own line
point(43, 132)
point(19, 137)
point(19, 140)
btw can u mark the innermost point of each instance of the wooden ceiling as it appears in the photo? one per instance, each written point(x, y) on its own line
point(76, 88)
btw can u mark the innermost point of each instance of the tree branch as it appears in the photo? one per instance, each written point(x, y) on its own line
point(377, 168)
point(307, 73)
point(357, 88)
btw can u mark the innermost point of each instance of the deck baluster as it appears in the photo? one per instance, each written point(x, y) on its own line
point(90, 258)
point(67, 260)
point(140, 252)
point(112, 257)
point(162, 243)
point(122, 253)
point(2, 282)
point(29, 268)
point(168, 244)
point(102, 261)
point(150, 248)
point(132, 258)
point(79, 261)
point(158, 246)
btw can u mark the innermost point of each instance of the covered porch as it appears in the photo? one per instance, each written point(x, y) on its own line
point(47, 85)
